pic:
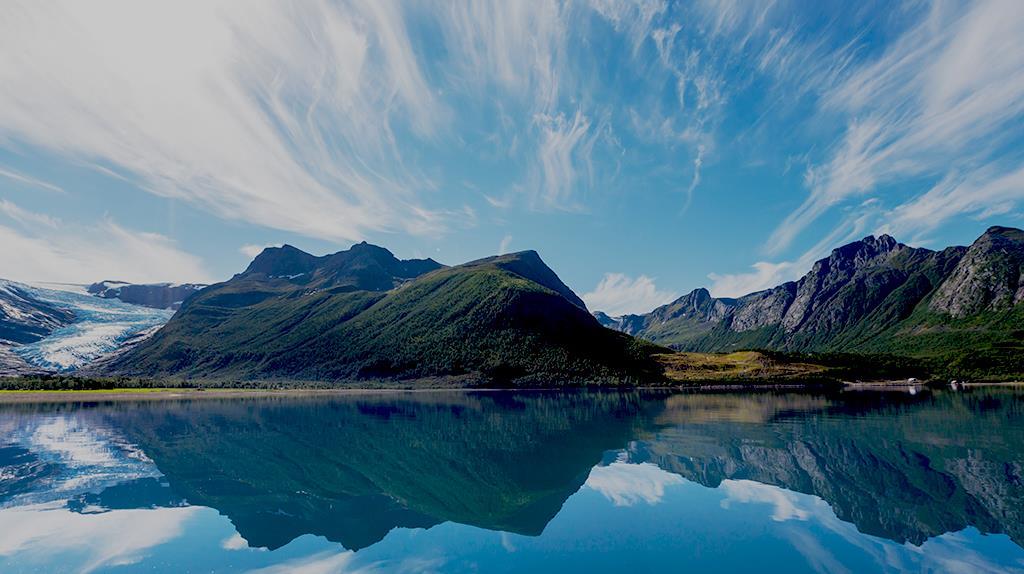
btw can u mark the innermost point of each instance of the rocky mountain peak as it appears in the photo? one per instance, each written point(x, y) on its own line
point(697, 304)
point(364, 266)
point(860, 253)
point(281, 261)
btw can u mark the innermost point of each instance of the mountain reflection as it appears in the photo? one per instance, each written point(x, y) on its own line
point(897, 466)
point(351, 468)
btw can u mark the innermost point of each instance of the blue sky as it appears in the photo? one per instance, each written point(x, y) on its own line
point(644, 148)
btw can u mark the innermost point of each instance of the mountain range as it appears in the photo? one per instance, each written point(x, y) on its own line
point(958, 307)
point(363, 315)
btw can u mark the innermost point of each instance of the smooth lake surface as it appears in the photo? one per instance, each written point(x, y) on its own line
point(517, 482)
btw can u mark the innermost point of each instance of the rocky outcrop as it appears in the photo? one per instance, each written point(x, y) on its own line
point(154, 295)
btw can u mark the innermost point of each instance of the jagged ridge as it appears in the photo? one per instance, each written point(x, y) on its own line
point(872, 295)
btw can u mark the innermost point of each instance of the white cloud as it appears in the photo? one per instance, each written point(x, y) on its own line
point(628, 484)
point(39, 248)
point(251, 250)
point(234, 542)
point(618, 294)
point(87, 542)
point(30, 181)
point(515, 46)
point(697, 163)
point(504, 245)
point(26, 217)
point(275, 113)
point(935, 104)
point(786, 505)
point(765, 275)
point(326, 562)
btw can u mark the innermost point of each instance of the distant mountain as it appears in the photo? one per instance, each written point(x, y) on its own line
point(364, 315)
point(155, 295)
point(45, 330)
point(958, 306)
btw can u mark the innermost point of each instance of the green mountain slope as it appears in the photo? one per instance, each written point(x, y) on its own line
point(504, 320)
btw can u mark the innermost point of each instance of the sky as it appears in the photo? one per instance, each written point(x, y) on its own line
point(643, 148)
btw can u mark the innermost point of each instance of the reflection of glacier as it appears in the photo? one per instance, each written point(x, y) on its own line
point(44, 458)
point(99, 327)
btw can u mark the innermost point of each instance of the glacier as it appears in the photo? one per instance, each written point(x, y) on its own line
point(100, 326)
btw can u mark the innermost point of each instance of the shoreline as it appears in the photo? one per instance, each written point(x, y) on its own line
point(170, 393)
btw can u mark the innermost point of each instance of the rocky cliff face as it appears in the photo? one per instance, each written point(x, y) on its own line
point(989, 277)
point(864, 293)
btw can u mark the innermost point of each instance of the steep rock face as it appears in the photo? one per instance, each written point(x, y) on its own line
point(876, 278)
point(867, 295)
point(989, 277)
point(828, 276)
point(763, 309)
point(154, 295)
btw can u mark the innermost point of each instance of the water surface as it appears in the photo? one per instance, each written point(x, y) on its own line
point(517, 481)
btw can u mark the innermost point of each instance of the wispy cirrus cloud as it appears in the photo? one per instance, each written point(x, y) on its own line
point(29, 181)
point(564, 156)
point(278, 114)
point(936, 104)
point(987, 192)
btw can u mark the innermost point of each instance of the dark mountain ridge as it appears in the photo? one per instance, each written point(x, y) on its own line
point(365, 267)
point(155, 295)
point(363, 315)
point(873, 295)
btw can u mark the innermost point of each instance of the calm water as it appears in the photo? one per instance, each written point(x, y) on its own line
point(517, 482)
